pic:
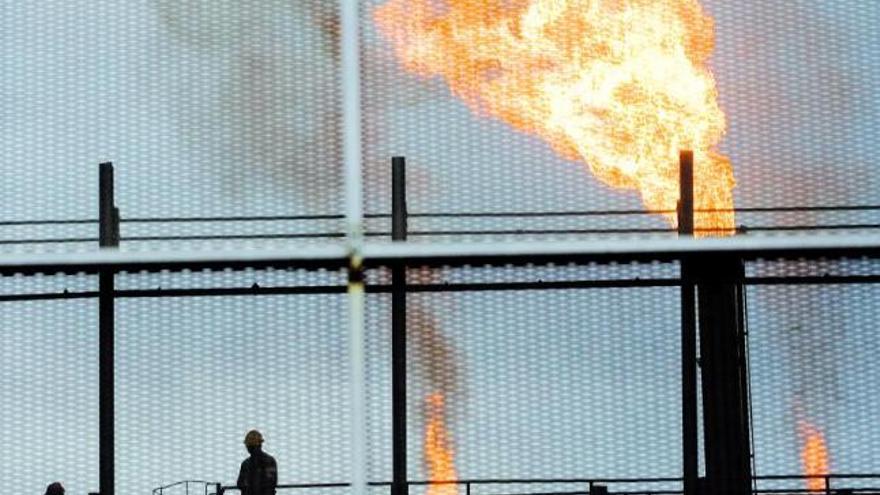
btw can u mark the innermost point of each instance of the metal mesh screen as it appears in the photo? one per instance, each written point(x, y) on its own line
point(195, 374)
point(207, 109)
point(223, 121)
point(813, 367)
point(797, 83)
point(222, 110)
point(538, 384)
point(49, 385)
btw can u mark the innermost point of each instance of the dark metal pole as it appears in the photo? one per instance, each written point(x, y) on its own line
point(719, 302)
point(721, 308)
point(398, 329)
point(398, 199)
point(686, 193)
point(108, 237)
point(690, 446)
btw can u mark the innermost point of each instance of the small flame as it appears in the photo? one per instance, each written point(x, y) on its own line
point(814, 455)
point(621, 85)
point(439, 456)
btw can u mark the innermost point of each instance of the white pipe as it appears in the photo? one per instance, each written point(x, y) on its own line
point(334, 254)
point(329, 255)
point(351, 122)
point(623, 249)
point(358, 402)
point(351, 117)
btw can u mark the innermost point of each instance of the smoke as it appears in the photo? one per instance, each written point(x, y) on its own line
point(262, 93)
point(436, 366)
point(434, 354)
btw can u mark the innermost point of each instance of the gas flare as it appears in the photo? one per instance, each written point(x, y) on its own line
point(814, 455)
point(621, 85)
point(439, 455)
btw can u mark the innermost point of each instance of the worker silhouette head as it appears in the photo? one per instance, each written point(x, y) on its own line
point(253, 441)
point(55, 489)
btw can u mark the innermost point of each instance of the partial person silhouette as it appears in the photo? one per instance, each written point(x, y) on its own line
point(55, 489)
point(259, 472)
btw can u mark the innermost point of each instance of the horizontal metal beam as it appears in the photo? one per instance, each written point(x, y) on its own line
point(623, 251)
point(335, 256)
point(529, 481)
point(415, 288)
point(332, 256)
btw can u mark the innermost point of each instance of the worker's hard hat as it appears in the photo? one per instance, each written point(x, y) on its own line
point(253, 439)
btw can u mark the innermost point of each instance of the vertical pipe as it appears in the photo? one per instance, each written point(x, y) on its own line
point(720, 307)
point(351, 113)
point(351, 137)
point(686, 193)
point(688, 330)
point(398, 199)
point(398, 329)
point(718, 315)
point(108, 237)
point(356, 301)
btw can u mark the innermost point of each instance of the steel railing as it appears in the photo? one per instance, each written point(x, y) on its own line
point(834, 484)
point(189, 487)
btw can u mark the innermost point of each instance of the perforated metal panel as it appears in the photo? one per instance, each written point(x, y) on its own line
point(223, 121)
point(49, 385)
point(813, 361)
point(538, 384)
point(797, 83)
point(195, 374)
point(207, 109)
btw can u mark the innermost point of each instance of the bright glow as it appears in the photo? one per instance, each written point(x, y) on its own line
point(439, 456)
point(621, 85)
point(814, 455)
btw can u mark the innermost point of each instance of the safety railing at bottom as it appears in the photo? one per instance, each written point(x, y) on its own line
point(830, 484)
point(189, 487)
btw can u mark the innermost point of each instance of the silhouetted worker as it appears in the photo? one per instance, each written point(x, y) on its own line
point(55, 489)
point(259, 473)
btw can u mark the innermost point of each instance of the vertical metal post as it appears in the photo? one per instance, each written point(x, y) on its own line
point(688, 330)
point(108, 237)
point(686, 193)
point(718, 305)
point(721, 310)
point(598, 490)
point(398, 329)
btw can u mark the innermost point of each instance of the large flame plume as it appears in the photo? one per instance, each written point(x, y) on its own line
point(439, 455)
point(621, 85)
point(814, 455)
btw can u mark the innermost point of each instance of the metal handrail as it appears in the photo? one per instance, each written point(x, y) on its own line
point(186, 484)
point(591, 482)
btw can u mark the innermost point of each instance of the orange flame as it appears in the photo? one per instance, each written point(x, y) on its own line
point(814, 455)
point(621, 85)
point(439, 455)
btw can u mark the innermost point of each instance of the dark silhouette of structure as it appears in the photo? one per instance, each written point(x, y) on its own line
point(713, 307)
